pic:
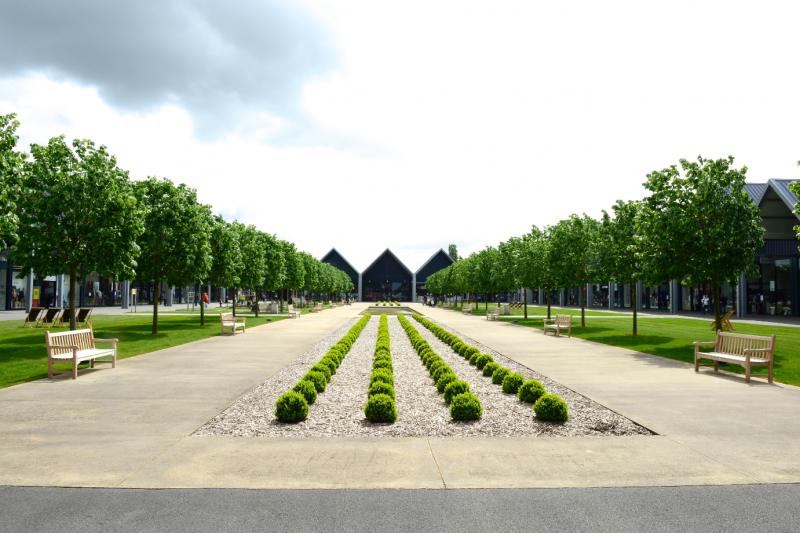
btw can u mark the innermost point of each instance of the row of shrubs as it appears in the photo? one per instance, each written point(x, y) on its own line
point(387, 303)
point(463, 404)
point(293, 405)
point(546, 406)
point(380, 405)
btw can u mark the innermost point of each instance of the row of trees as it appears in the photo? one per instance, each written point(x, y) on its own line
point(697, 225)
point(71, 209)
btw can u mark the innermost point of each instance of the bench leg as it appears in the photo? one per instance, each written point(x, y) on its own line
point(75, 366)
point(49, 368)
point(91, 364)
point(114, 359)
point(770, 372)
point(746, 373)
point(716, 366)
point(696, 362)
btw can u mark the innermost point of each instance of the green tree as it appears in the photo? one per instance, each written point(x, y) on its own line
point(254, 261)
point(274, 263)
point(294, 269)
point(795, 188)
point(701, 226)
point(176, 234)
point(11, 166)
point(311, 272)
point(226, 254)
point(541, 270)
point(621, 247)
point(505, 272)
point(573, 247)
point(77, 210)
point(452, 251)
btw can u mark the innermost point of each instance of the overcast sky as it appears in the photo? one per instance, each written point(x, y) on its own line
point(410, 125)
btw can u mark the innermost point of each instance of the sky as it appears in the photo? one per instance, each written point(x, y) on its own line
point(408, 125)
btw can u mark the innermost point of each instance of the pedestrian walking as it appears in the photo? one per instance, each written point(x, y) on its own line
point(706, 301)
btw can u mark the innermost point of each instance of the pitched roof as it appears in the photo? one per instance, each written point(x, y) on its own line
point(755, 191)
point(437, 252)
point(395, 258)
point(324, 257)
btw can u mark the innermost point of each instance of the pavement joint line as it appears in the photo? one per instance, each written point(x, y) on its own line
point(159, 454)
point(433, 455)
point(756, 481)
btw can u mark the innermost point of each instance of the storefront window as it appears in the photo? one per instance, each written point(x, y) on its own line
point(65, 292)
point(622, 294)
point(18, 296)
point(101, 291)
point(657, 297)
point(3, 288)
point(777, 284)
point(599, 295)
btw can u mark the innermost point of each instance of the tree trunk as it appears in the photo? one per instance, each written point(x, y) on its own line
point(547, 297)
point(256, 301)
point(525, 301)
point(635, 287)
point(73, 284)
point(715, 301)
point(233, 301)
point(281, 291)
point(583, 305)
point(203, 305)
point(156, 296)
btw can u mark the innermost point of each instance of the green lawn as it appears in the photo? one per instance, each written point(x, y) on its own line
point(673, 337)
point(23, 356)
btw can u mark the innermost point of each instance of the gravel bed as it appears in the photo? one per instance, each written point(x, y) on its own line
point(422, 412)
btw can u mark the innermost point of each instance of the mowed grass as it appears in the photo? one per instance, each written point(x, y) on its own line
point(673, 337)
point(23, 356)
point(480, 310)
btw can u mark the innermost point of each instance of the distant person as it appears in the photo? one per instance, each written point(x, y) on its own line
point(705, 303)
point(723, 304)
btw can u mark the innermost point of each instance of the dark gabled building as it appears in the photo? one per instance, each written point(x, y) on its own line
point(386, 278)
point(438, 261)
point(337, 260)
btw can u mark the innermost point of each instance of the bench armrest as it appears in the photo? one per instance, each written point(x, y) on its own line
point(240, 318)
point(546, 320)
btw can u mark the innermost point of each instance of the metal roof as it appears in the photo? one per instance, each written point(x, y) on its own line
point(395, 258)
point(437, 252)
point(755, 191)
point(340, 255)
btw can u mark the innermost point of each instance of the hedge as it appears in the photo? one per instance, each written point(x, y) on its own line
point(380, 406)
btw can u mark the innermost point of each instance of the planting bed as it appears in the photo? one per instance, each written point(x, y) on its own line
point(421, 410)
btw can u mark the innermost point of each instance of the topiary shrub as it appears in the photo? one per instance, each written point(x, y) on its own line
point(444, 380)
point(464, 351)
point(436, 364)
point(483, 359)
point(330, 363)
point(291, 407)
point(466, 406)
point(489, 368)
point(531, 391)
point(382, 375)
point(432, 359)
point(470, 351)
point(383, 356)
point(379, 387)
point(454, 388)
point(512, 383)
point(551, 407)
point(383, 363)
point(473, 360)
point(317, 379)
point(456, 346)
point(322, 369)
point(444, 369)
point(380, 408)
point(499, 375)
point(307, 389)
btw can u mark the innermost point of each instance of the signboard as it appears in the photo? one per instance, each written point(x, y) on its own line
point(35, 297)
point(133, 291)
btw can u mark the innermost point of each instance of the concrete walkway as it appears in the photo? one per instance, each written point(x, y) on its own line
point(131, 427)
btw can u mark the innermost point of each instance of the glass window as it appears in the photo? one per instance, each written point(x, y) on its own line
point(18, 296)
point(3, 288)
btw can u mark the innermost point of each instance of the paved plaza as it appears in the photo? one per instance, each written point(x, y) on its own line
point(130, 427)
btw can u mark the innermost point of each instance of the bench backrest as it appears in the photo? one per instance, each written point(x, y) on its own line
point(82, 338)
point(226, 317)
point(736, 344)
point(564, 320)
point(496, 311)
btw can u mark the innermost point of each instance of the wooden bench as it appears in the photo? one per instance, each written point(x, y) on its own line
point(293, 313)
point(558, 323)
point(76, 346)
point(227, 320)
point(743, 350)
point(494, 315)
point(726, 322)
point(317, 308)
point(466, 310)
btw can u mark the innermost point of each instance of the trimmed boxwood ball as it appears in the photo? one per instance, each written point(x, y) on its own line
point(466, 406)
point(307, 389)
point(444, 369)
point(436, 364)
point(454, 388)
point(457, 346)
point(512, 383)
point(483, 359)
point(317, 379)
point(383, 363)
point(551, 407)
point(380, 408)
point(432, 359)
point(322, 369)
point(444, 380)
point(489, 368)
point(470, 351)
point(383, 356)
point(379, 387)
point(531, 391)
point(291, 407)
point(473, 360)
point(330, 363)
point(499, 375)
point(464, 351)
point(382, 375)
